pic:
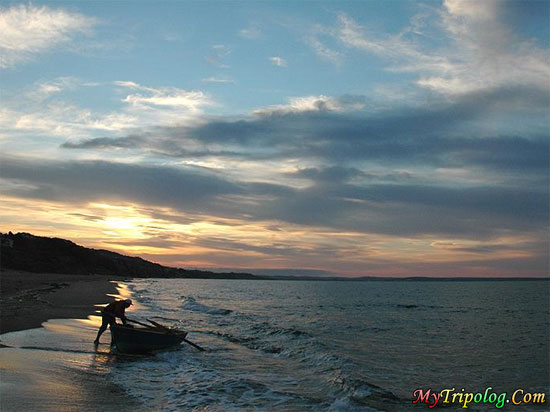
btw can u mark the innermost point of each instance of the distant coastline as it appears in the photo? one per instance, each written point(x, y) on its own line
point(39, 254)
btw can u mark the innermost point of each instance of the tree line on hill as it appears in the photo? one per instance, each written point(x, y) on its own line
point(26, 252)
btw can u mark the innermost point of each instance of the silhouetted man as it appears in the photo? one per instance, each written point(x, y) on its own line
point(109, 314)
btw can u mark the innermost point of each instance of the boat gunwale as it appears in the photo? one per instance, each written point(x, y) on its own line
point(152, 330)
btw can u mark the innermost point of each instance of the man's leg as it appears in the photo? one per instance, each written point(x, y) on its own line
point(112, 322)
point(106, 320)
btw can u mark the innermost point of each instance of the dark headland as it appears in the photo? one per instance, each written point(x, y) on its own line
point(38, 254)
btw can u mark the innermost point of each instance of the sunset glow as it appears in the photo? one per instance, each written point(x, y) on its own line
point(346, 139)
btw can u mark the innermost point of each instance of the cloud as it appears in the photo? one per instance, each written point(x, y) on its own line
point(409, 171)
point(488, 52)
point(401, 52)
point(350, 33)
point(312, 129)
point(334, 174)
point(337, 199)
point(58, 85)
point(29, 30)
point(479, 50)
point(153, 144)
point(172, 36)
point(129, 142)
point(218, 80)
point(408, 210)
point(102, 181)
point(164, 97)
point(218, 55)
point(456, 173)
point(359, 184)
point(324, 51)
point(278, 61)
point(46, 111)
point(58, 118)
point(335, 129)
point(315, 104)
point(251, 33)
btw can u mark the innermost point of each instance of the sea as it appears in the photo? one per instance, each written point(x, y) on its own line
point(324, 345)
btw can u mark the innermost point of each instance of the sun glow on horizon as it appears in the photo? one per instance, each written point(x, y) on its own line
point(175, 239)
point(348, 139)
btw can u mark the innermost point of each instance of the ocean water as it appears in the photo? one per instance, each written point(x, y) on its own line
point(312, 345)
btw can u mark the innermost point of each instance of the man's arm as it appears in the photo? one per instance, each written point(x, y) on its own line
point(121, 308)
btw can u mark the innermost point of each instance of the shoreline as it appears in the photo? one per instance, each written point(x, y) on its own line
point(29, 299)
point(38, 379)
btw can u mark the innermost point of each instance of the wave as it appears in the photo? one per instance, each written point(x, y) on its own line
point(359, 394)
point(362, 391)
point(267, 329)
point(165, 318)
point(420, 306)
point(250, 342)
point(407, 306)
point(346, 404)
point(191, 304)
point(267, 338)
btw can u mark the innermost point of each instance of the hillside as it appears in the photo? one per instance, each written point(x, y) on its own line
point(26, 252)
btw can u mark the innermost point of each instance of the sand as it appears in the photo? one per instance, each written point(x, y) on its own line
point(56, 367)
point(39, 380)
point(28, 299)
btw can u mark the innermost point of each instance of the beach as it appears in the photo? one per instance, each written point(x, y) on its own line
point(55, 367)
point(29, 299)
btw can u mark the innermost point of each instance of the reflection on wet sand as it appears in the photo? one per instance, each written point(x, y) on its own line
point(57, 368)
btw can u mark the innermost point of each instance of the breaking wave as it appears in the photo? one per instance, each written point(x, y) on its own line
point(189, 303)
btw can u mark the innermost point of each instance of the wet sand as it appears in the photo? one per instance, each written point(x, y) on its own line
point(28, 299)
point(36, 380)
point(56, 367)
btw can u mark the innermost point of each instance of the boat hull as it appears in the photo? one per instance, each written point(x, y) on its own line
point(138, 340)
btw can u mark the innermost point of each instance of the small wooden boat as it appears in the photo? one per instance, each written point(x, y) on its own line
point(139, 340)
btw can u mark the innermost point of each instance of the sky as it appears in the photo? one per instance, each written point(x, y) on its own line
point(396, 138)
